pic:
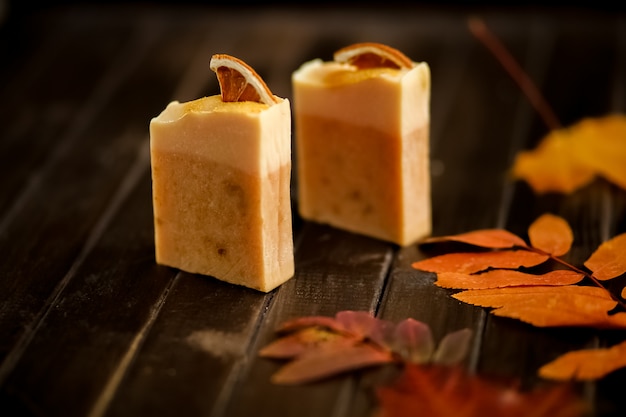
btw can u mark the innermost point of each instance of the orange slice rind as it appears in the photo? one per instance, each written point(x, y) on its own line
point(240, 82)
point(372, 55)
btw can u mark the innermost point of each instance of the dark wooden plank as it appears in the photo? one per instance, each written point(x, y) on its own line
point(82, 342)
point(44, 105)
point(47, 210)
point(166, 343)
point(332, 267)
point(471, 154)
point(312, 291)
point(511, 348)
point(335, 271)
point(194, 350)
point(66, 295)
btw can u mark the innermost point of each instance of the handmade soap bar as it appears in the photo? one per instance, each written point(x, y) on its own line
point(221, 198)
point(362, 142)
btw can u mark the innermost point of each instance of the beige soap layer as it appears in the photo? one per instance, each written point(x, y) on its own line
point(221, 178)
point(363, 149)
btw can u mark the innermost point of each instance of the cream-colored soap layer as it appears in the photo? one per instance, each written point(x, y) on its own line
point(342, 92)
point(236, 138)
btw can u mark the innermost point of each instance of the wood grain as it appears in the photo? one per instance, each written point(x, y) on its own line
point(91, 326)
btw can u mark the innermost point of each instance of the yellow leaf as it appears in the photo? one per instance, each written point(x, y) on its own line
point(552, 166)
point(552, 234)
point(569, 158)
point(586, 364)
point(601, 145)
point(547, 306)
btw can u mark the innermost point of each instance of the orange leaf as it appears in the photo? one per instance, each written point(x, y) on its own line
point(546, 306)
point(472, 262)
point(324, 362)
point(552, 234)
point(486, 238)
point(586, 364)
point(499, 278)
point(609, 260)
point(449, 391)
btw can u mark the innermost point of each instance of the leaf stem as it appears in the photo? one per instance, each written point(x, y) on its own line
point(595, 280)
point(482, 33)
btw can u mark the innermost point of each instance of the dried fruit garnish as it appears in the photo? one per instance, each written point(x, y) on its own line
point(372, 55)
point(239, 82)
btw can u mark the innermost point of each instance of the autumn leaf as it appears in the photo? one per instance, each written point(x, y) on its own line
point(500, 278)
point(586, 364)
point(449, 391)
point(413, 341)
point(566, 158)
point(486, 238)
point(304, 339)
point(330, 360)
point(472, 262)
point(569, 158)
point(495, 273)
point(553, 166)
point(546, 306)
point(551, 234)
point(601, 145)
point(319, 347)
point(609, 260)
point(453, 348)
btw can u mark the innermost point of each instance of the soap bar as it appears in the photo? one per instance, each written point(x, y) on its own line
point(362, 145)
point(221, 190)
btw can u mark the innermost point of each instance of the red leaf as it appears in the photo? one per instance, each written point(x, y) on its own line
point(363, 324)
point(500, 278)
point(471, 262)
point(354, 339)
point(329, 361)
point(310, 321)
point(445, 391)
point(413, 341)
point(552, 234)
point(486, 238)
point(303, 340)
point(609, 260)
point(453, 348)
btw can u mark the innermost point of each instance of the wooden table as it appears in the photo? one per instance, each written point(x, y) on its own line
point(91, 326)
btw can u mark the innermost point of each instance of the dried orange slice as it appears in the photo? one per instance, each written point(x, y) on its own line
point(372, 55)
point(239, 82)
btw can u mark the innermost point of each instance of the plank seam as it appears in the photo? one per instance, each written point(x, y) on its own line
point(121, 69)
point(128, 185)
point(104, 399)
